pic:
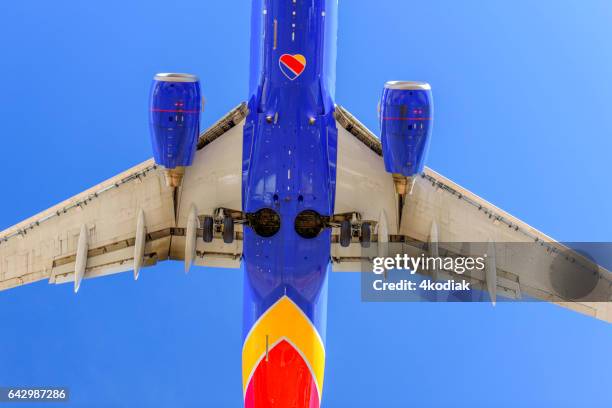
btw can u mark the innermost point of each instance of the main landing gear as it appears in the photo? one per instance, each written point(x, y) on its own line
point(351, 226)
point(266, 223)
point(222, 223)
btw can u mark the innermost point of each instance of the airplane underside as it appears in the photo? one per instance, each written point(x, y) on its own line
point(288, 187)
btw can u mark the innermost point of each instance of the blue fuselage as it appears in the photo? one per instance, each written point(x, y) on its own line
point(289, 154)
point(289, 159)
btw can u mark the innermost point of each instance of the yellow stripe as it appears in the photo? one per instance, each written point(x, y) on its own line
point(284, 320)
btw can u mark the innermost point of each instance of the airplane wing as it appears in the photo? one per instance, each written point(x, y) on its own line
point(440, 211)
point(133, 216)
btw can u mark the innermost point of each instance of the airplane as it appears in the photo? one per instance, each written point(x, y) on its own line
point(289, 187)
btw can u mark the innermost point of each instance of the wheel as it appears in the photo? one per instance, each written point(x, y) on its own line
point(209, 224)
point(346, 233)
point(228, 229)
point(366, 234)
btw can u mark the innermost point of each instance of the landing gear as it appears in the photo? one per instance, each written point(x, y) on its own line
point(351, 226)
point(346, 233)
point(366, 234)
point(228, 229)
point(208, 229)
point(222, 223)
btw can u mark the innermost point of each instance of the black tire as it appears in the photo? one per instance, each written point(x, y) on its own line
point(346, 233)
point(228, 230)
point(366, 234)
point(207, 234)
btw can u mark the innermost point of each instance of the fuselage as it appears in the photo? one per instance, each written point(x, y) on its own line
point(289, 170)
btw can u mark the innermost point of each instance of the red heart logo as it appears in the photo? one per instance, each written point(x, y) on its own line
point(292, 65)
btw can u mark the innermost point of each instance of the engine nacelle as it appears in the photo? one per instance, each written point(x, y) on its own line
point(175, 123)
point(406, 119)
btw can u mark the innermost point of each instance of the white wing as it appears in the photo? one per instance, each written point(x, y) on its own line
point(100, 227)
point(440, 211)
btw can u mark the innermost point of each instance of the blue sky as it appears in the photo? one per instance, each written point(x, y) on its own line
point(522, 92)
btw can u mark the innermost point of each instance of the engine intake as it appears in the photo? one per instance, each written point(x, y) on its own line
point(406, 119)
point(175, 106)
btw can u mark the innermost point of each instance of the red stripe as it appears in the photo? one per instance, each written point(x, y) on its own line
point(175, 110)
point(294, 65)
point(282, 380)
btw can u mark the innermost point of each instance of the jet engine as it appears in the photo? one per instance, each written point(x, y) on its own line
point(406, 113)
point(175, 123)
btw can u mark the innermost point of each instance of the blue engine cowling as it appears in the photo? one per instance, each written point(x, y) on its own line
point(175, 119)
point(406, 119)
